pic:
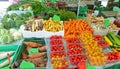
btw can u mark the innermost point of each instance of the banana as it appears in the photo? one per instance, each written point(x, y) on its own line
point(108, 41)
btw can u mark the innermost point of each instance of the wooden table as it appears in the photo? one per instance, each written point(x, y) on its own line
point(89, 2)
point(109, 13)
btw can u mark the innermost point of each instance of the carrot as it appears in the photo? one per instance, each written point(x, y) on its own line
point(36, 55)
point(24, 55)
point(43, 48)
point(32, 44)
point(75, 27)
point(28, 48)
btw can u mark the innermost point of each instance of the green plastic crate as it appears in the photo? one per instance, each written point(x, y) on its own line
point(37, 40)
point(23, 49)
point(10, 48)
point(18, 42)
point(116, 66)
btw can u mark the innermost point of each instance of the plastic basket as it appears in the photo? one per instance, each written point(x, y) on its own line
point(10, 48)
point(100, 31)
point(37, 40)
point(23, 49)
point(114, 31)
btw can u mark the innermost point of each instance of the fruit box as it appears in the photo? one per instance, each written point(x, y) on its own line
point(23, 49)
point(41, 34)
point(114, 31)
point(10, 48)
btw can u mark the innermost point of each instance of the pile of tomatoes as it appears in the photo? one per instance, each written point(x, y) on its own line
point(100, 41)
point(77, 58)
point(113, 56)
point(75, 51)
point(57, 53)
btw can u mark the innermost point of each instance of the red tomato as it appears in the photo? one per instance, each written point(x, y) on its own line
point(81, 65)
point(72, 68)
point(60, 68)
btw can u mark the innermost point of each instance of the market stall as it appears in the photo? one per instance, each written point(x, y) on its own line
point(46, 35)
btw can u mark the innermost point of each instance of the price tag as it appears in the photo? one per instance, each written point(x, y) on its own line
point(90, 66)
point(30, 11)
point(115, 8)
point(106, 22)
point(25, 64)
point(116, 0)
point(56, 17)
point(53, 1)
point(33, 50)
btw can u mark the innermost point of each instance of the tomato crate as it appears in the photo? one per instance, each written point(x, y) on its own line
point(14, 56)
point(24, 51)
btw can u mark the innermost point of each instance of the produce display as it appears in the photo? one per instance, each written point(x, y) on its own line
point(60, 64)
point(56, 48)
point(97, 37)
point(76, 59)
point(3, 55)
point(94, 19)
point(113, 27)
point(114, 40)
point(38, 58)
point(103, 44)
point(101, 41)
point(14, 20)
point(58, 57)
point(24, 5)
point(9, 36)
point(57, 4)
point(75, 51)
point(113, 57)
point(98, 60)
point(52, 25)
point(67, 43)
point(92, 49)
point(98, 27)
point(64, 15)
point(42, 10)
point(97, 20)
point(73, 28)
point(34, 25)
